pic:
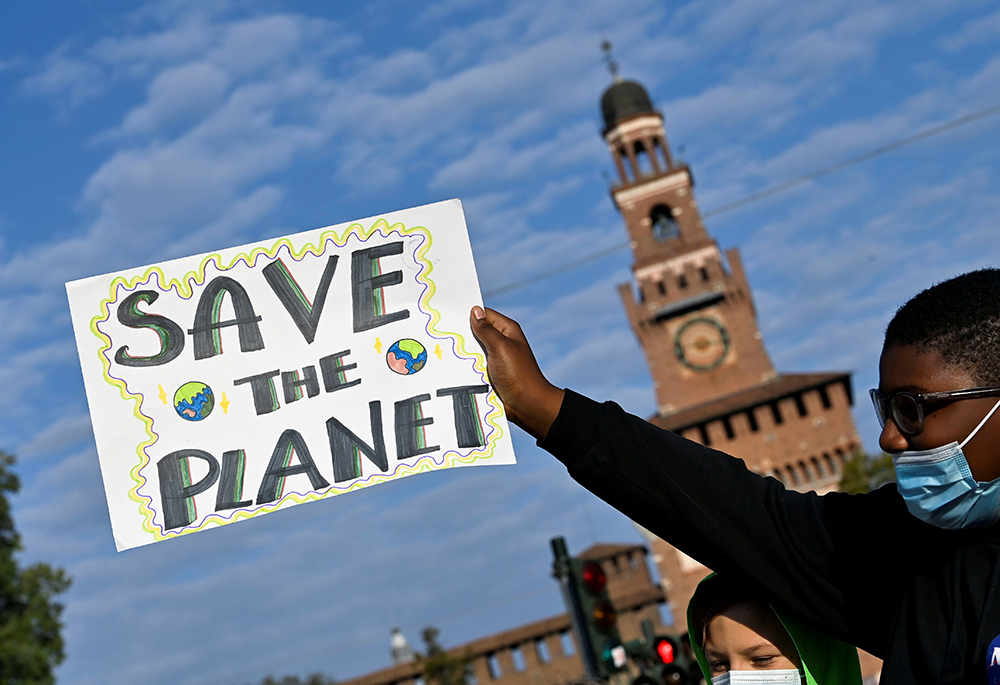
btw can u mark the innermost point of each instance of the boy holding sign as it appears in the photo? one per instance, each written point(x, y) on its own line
point(908, 572)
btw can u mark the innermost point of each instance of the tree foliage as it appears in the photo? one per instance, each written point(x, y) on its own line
point(440, 667)
point(866, 472)
point(31, 643)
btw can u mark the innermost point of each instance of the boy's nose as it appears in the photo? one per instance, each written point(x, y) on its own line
point(891, 440)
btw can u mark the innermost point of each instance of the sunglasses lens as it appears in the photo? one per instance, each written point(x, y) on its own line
point(906, 414)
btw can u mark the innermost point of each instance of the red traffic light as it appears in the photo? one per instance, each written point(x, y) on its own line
point(593, 577)
point(666, 650)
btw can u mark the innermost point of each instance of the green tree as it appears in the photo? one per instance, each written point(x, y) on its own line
point(865, 472)
point(440, 667)
point(31, 643)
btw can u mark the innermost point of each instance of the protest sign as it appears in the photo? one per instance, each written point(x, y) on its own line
point(228, 385)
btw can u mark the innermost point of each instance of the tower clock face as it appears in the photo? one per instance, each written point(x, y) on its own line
point(701, 344)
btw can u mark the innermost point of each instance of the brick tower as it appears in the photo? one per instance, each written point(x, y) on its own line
point(692, 310)
point(694, 318)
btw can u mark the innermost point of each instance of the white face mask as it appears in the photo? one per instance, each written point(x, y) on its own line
point(782, 676)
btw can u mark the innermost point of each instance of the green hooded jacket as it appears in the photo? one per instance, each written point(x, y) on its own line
point(825, 660)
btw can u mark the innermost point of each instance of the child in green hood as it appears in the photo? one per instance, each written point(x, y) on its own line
point(739, 638)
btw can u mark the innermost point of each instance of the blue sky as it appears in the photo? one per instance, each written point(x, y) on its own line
point(134, 132)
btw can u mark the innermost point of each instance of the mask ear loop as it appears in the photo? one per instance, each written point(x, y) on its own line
point(981, 423)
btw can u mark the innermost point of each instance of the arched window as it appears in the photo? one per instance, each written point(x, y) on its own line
point(818, 467)
point(664, 224)
point(660, 153)
point(794, 475)
point(642, 159)
point(624, 164)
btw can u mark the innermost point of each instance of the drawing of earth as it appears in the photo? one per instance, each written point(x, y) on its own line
point(194, 401)
point(406, 356)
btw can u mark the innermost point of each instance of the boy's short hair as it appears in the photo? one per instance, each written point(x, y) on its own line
point(715, 595)
point(958, 318)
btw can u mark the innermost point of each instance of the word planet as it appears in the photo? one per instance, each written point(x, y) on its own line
point(406, 356)
point(194, 401)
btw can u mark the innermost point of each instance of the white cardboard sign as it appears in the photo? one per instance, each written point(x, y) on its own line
point(228, 385)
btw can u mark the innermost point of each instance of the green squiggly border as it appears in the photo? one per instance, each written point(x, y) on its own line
point(184, 288)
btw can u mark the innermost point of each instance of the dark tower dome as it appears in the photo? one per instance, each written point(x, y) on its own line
point(623, 100)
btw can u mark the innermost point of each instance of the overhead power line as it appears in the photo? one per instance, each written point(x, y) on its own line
point(568, 266)
point(871, 154)
point(760, 195)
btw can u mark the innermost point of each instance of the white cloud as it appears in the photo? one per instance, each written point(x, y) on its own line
point(731, 105)
point(185, 91)
point(192, 35)
point(24, 376)
point(491, 159)
point(248, 45)
point(72, 78)
point(64, 430)
point(407, 70)
point(976, 32)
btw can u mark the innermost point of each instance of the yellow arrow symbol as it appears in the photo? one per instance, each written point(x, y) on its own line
point(437, 351)
point(163, 395)
point(224, 404)
point(378, 345)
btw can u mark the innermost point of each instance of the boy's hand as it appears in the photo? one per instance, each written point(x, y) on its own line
point(531, 401)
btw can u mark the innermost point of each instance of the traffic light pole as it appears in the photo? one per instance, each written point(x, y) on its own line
point(571, 596)
point(648, 633)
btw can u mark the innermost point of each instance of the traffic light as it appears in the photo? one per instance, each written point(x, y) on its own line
point(600, 618)
point(663, 659)
point(665, 649)
point(671, 667)
point(591, 612)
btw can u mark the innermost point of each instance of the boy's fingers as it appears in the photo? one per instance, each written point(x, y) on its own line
point(530, 401)
point(508, 327)
point(488, 335)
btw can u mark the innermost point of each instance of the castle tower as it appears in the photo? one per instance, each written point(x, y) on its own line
point(694, 317)
point(692, 311)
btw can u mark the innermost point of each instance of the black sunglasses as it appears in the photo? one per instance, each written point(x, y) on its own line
point(906, 409)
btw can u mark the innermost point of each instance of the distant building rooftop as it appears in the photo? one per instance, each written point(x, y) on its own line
point(783, 385)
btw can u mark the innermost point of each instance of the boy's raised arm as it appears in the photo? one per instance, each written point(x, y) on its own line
point(804, 549)
point(530, 400)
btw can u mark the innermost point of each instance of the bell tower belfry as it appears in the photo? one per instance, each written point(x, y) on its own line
point(691, 311)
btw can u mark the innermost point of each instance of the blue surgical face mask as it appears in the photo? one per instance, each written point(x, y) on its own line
point(939, 488)
point(782, 676)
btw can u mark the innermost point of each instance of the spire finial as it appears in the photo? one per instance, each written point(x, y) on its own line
point(610, 60)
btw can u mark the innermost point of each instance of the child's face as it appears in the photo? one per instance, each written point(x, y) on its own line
point(909, 369)
point(748, 637)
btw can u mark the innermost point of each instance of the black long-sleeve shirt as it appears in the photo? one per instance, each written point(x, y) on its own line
point(858, 567)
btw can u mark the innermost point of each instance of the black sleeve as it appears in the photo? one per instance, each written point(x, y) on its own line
point(814, 554)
